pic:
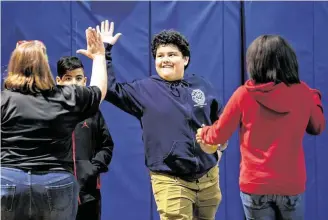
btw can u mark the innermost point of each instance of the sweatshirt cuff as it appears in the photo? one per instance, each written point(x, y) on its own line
point(204, 132)
point(108, 46)
point(316, 95)
point(95, 170)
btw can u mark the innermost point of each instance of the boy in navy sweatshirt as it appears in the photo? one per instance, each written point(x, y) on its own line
point(92, 145)
point(171, 107)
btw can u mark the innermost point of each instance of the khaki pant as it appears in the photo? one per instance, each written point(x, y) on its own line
point(178, 199)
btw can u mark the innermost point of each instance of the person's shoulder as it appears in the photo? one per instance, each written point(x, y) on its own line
point(69, 91)
point(240, 93)
point(5, 96)
point(241, 89)
point(153, 78)
point(5, 93)
point(138, 81)
point(196, 80)
point(10, 93)
point(303, 89)
point(306, 88)
point(200, 80)
point(64, 94)
point(61, 91)
point(146, 79)
point(65, 89)
point(196, 77)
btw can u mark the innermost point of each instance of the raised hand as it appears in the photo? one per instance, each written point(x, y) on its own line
point(107, 32)
point(95, 44)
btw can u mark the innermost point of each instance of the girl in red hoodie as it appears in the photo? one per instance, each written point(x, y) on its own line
point(274, 109)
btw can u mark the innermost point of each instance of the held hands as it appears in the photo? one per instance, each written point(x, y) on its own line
point(207, 148)
point(95, 44)
point(107, 31)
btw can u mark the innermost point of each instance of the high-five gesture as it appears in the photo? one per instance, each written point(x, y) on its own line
point(107, 32)
point(95, 45)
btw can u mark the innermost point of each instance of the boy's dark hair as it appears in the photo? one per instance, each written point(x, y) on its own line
point(271, 59)
point(68, 63)
point(167, 37)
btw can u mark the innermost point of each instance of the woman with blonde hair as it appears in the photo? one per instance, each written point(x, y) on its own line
point(37, 120)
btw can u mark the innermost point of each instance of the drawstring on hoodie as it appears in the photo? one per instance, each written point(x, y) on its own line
point(174, 84)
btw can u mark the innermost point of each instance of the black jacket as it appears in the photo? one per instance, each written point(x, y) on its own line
point(92, 153)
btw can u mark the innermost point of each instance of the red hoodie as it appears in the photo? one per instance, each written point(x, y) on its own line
point(273, 120)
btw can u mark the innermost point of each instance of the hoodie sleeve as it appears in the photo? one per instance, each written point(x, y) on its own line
point(104, 148)
point(216, 105)
point(227, 123)
point(125, 96)
point(316, 122)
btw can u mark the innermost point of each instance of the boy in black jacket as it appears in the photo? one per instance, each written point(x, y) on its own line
point(92, 145)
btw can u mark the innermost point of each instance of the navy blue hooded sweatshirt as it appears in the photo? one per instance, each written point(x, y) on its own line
point(170, 113)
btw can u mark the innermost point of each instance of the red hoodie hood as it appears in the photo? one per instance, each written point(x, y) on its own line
point(277, 97)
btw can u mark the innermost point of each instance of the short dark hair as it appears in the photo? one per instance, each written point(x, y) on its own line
point(68, 63)
point(171, 37)
point(270, 58)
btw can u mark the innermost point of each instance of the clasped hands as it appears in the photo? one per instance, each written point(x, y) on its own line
point(208, 148)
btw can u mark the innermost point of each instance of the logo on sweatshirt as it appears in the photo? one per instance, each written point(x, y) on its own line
point(85, 125)
point(198, 97)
